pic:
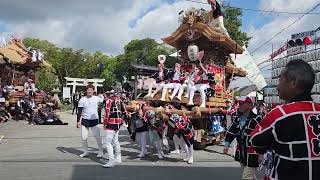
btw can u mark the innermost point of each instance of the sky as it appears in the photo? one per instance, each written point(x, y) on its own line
point(107, 25)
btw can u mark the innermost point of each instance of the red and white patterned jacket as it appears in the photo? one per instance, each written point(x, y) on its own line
point(245, 153)
point(115, 110)
point(292, 132)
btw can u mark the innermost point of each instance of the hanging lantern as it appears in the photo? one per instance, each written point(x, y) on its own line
point(162, 59)
point(193, 50)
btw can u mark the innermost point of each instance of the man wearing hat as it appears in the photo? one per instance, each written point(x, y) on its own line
point(240, 130)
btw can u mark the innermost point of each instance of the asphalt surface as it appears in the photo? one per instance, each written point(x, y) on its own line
point(51, 153)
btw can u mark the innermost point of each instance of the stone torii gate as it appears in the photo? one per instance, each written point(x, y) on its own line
point(74, 82)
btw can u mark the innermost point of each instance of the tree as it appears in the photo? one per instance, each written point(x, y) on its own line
point(233, 22)
point(144, 51)
point(45, 79)
point(68, 62)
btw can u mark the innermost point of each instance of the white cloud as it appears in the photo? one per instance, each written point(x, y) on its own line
point(278, 22)
point(103, 25)
point(274, 26)
point(97, 25)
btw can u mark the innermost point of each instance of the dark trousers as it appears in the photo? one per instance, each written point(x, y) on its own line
point(99, 114)
point(75, 107)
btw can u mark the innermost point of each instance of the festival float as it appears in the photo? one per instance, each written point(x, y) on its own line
point(199, 82)
point(17, 65)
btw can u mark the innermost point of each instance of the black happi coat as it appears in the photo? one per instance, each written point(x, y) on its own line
point(185, 129)
point(245, 154)
point(114, 112)
point(166, 76)
point(292, 132)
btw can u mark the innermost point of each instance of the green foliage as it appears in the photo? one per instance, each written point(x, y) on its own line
point(45, 79)
point(233, 22)
point(68, 62)
point(144, 51)
point(236, 93)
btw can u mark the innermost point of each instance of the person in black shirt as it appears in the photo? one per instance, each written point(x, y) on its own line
point(75, 100)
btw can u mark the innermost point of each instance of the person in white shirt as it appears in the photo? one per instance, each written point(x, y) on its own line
point(29, 87)
point(88, 114)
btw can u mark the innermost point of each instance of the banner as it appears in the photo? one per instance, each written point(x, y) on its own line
point(219, 77)
point(246, 62)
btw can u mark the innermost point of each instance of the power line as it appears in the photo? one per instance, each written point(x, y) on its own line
point(257, 10)
point(285, 28)
point(265, 61)
point(265, 66)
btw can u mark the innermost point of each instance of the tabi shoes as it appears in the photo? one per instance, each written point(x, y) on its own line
point(118, 160)
point(160, 156)
point(175, 152)
point(100, 154)
point(108, 165)
point(141, 156)
point(85, 154)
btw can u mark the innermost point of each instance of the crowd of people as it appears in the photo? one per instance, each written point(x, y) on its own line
point(143, 126)
point(184, 80)
point(283, 143)
point(43, 111)
point(140, 125)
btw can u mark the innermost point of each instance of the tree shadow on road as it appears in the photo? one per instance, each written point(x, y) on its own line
point(151, 157)
point(76, 151)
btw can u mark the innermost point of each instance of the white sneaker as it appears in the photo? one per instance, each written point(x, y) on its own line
point(159, 155)
point(140, 156)
point(190, 161)
point(85, 154)
point(162, 99)
point(148, 95)
point(185, 159)
point(162, 153)
point(190, 104)
point(175, 152)
point(118, 160)
point(108, 165)
point(100, 154)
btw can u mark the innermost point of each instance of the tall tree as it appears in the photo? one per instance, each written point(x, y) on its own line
point(144, 51)
point(233, 23)
point(45, 80)
point(68, 62)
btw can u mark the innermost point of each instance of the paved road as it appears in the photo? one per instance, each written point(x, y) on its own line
point(51, 153)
